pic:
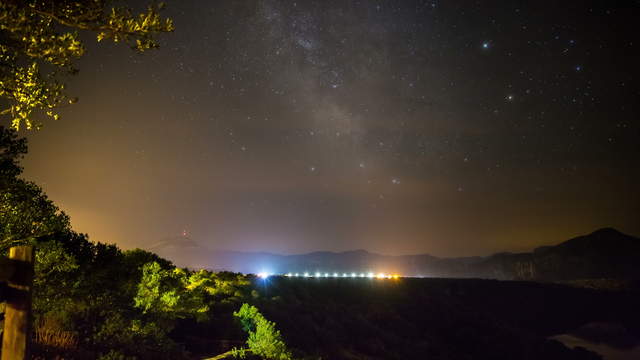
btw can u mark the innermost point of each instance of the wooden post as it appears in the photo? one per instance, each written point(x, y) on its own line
point(7, 268)
point(17, 315)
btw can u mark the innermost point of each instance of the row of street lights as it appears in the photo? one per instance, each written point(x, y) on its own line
point(369, 275)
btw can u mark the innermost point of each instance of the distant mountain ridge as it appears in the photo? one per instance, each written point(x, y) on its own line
point(605, 253)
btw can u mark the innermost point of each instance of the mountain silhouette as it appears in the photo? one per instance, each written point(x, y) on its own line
point(605, 253)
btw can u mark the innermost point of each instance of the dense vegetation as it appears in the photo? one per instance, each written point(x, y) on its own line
point(93, 300)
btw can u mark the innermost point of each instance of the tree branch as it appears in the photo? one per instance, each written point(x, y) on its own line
point(227, 354)
point(80, 26)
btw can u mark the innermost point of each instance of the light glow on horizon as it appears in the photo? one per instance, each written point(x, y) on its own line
point(318, 275)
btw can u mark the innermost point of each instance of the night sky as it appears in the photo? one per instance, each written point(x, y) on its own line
point(451, 128)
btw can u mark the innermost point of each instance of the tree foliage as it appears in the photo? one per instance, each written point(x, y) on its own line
point(115, 300)
point(264, 339)
point(180, 293)
point(12, 150)
point(25, 211)
point(88, 289)
point(168, 292)
point(40, 41)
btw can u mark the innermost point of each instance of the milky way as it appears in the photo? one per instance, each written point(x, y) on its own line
point(399, 127)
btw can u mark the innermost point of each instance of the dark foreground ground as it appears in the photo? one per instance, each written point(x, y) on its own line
point(438, 318)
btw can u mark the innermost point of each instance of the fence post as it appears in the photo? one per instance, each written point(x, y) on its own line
point(17, 315)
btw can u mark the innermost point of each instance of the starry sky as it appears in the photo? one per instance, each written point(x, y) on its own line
point(445, 127)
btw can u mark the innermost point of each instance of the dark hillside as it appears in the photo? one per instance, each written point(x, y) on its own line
point(605, 253)
point(437, 318)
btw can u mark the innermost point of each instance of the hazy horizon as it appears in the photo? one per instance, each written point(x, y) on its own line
point(266, 252)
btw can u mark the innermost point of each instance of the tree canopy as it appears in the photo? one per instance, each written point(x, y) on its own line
point(40, 41)
point(25, 211)
point(264, 339)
